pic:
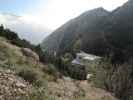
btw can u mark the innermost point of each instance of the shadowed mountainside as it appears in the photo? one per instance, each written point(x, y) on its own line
point(97, 31)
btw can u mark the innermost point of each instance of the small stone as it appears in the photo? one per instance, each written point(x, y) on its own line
point(18, 98)
point(21, 85)
point(11, 79)
point(21, 91)
point(8, 71)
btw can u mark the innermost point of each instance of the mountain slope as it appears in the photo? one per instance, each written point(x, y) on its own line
point(97, 31)
point(86, 28)
point(120, 27)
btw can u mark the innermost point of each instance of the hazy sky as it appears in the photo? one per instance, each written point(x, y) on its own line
point(53, 13)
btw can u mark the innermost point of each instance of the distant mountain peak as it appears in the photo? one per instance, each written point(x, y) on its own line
point(100, 11)
point(86, 25)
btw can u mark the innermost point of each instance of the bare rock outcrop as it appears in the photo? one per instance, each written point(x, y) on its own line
point(32, 56)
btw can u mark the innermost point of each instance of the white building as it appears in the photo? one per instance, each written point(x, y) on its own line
point(82, 58)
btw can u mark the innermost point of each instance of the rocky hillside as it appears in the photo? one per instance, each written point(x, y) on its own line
point(23, 77)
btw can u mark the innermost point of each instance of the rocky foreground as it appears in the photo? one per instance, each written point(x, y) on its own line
point(69, 89)
point(12, 87)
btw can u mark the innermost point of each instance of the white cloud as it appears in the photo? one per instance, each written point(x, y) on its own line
point(57, 12)
point(26, 26)
point(60, 11)
point(112, 4)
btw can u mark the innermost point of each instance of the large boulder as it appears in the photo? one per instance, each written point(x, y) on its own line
point(32, 56)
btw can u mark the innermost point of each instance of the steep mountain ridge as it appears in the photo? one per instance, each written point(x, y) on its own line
point(97, 31)
point(87, 24)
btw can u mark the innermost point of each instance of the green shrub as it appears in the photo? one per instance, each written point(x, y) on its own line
point(115, 78)
point(52, 70)
point(32, 76)
point(120, 82)
point(28, 75)
point(40, 94)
